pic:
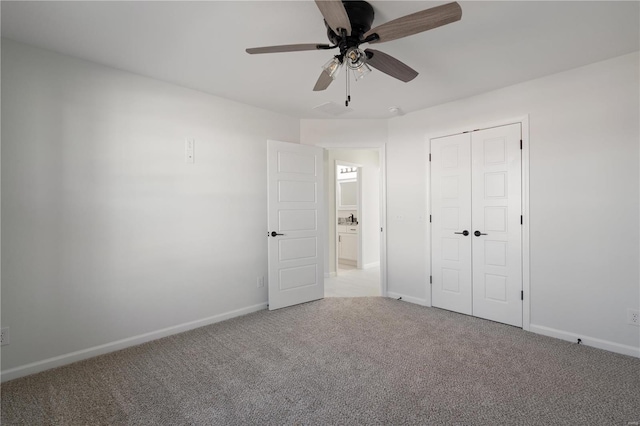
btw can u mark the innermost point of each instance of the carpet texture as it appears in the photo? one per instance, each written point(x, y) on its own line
point(338, 361)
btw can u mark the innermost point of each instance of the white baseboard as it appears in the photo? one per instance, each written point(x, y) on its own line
point(58, 361)
point(586, 340)
point(371, 265)
point(329, 274)
point(417, 301)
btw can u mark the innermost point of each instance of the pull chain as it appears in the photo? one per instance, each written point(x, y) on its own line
point(348, 88)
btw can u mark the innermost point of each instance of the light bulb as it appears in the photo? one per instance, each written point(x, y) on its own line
point(332, 67)
point(356, 59)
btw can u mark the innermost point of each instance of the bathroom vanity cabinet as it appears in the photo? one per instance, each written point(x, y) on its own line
point(348, 244)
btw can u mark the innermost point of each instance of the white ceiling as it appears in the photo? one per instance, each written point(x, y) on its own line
point(201, 45)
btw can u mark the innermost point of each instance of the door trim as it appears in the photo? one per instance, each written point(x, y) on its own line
point(526, 262)
point(382, 149)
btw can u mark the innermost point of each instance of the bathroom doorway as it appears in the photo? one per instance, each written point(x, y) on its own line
point(348, 189)
point(354, 231)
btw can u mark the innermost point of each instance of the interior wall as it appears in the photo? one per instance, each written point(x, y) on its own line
point(369, 223)
point(584, 195)
point(107, 233)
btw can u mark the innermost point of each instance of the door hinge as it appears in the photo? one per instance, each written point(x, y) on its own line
point(430, 279)
point(429, 156)
point(521, 294)
point(520, 143)
point(339, 238)
point(521, 221)
point(429, 218)
point(380, 229)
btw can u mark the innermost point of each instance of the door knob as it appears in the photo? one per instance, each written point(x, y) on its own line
point(478, 233)
point(274, 233)
point(465, 232)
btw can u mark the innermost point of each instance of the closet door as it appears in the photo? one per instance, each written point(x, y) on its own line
point(451, 217)
point(497, 231)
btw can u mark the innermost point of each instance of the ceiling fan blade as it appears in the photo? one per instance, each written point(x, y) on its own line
point(287, 48)
point(417, 22)
point(390, 65)
point(335, 14)
point(323, 81)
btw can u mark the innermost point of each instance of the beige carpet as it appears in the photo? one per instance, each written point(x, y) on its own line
point(338, 361)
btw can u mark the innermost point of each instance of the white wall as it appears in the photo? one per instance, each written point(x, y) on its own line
point(369, 223)
point(584, 195)
point(344, 133)
point(106, 233)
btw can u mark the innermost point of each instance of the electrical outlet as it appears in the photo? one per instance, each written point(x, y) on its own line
point(4, 336)
point(633, 317)
point(260, 282)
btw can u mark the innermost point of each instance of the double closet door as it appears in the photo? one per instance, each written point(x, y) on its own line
point(476, 239)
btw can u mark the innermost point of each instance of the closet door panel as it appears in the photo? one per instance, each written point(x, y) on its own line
point(496, 209)
point(451, 215)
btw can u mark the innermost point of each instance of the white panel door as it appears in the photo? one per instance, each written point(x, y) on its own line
point(496, 209)
point(296, 223)
point(451, 216)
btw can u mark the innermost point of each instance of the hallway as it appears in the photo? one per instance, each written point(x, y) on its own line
point(353, 283)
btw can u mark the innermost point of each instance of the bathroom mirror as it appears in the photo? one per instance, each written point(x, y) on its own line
point(348, 194)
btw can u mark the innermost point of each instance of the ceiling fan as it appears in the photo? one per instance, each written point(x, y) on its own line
point(348, 25)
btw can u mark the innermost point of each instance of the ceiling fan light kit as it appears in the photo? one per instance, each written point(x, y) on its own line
point(348, 24)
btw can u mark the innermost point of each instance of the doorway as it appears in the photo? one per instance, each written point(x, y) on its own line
point(354, 200)
point(348, 187)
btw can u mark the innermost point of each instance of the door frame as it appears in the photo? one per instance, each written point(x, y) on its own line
point(526, 258)
point(382, 149)
point(358, 209)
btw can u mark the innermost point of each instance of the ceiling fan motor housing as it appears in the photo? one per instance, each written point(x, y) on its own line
point(361, 17)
